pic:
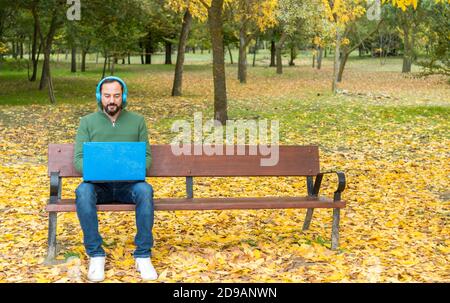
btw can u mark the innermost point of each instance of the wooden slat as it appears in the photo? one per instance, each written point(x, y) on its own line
point(60, 159)
point(68, 205)
point(293, 161)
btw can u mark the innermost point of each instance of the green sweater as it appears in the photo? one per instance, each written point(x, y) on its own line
point(97, 127)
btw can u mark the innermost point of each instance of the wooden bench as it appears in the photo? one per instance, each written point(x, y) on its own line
point(293, 161)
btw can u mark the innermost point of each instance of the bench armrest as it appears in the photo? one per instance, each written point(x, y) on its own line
point(55, 187)
point(340, 188)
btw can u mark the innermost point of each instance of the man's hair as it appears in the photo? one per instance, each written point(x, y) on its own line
point(110, 81)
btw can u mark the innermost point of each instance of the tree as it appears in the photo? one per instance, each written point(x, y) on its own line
point(119, 27)
point(213, 12)
point(410, 15)
point(178, 77)
point(251, 16)
point(294, 16)
point(48, 17)
point(437, 41)
point(215, 23)
point(356, 32)
point(82, 33)
point(340, 13)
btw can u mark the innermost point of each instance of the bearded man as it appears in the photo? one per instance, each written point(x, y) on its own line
point(113, 123)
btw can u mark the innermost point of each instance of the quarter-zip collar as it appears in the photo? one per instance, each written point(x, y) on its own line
point(113, 122)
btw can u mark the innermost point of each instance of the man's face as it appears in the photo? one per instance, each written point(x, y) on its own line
point(112, 97)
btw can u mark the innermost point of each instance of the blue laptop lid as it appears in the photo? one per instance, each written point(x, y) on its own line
point(114, 161)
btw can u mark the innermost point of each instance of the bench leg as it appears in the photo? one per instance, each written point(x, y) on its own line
point(308, 218)
point(335, 229)
point(51, 252)
point(309, 212)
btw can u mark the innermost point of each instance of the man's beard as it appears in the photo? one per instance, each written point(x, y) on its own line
point(112, 109)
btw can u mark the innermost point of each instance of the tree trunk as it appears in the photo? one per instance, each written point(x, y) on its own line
point(129, 59)
point(319, 58)
point(114, 61)
point(35, 64)
point(48, 41)
point(178, 77)
point(34, 58)
point(21, 49)
point(168, 52)
point(342, 65)
point(279, 48)
point(272, 53)
point(148, 50)
point(254, 53)
point(46, 78)
point(141, 46)
point(14, 52)
point(148, 57)
point(73, 66)
point(293, 56)
point(45, 69)
point(51, 91)
point(104, 65)
point(215, 23)
point(231, 55)
point(406, 67)
point(407, 53)
point(336, 62)
point(83, 59)
point(242, 60)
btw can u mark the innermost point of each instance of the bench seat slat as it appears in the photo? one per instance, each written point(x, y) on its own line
point(68, 205)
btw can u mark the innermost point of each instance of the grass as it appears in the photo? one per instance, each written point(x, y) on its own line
point(74, 88)
point(300, 98)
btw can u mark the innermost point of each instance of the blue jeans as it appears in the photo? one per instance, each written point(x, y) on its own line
point(88, 195)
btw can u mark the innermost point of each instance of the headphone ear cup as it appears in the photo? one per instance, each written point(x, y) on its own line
point(98, 95)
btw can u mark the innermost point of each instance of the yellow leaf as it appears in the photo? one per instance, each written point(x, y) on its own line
point(336, 276)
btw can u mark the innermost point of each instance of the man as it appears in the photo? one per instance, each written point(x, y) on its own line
point(113, 123)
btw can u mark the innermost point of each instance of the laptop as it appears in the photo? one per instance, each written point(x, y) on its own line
point(114, 161)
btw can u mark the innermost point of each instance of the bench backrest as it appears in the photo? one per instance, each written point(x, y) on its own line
point(293, 161)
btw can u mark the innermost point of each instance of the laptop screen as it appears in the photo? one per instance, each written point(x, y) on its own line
point(114, 161)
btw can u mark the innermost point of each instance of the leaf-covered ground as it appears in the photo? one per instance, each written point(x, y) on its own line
point(388, 132)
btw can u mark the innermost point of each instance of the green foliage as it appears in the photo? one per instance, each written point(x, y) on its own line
point(437, 60)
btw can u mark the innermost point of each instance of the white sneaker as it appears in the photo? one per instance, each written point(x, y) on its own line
point(145, 267)
point(96, 271)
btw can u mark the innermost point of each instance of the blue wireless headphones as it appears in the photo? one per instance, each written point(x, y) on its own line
point(98, 93)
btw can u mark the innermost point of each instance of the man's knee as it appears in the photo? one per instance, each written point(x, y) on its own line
point(143, 189)
point(85, 193)
point(143, 197)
